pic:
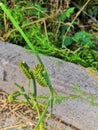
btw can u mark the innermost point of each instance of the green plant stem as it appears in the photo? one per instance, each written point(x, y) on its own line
point(41, 123)
point(43, 114)
point(34, 87)
point(29, 44)
point(27, 41)
point(23, 93)
point(33, 104)
point(29, 86)
point(34, 51)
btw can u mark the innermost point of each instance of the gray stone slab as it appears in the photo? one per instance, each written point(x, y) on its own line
point(63, 76)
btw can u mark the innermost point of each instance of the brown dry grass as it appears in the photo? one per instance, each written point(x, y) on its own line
point(17, 116)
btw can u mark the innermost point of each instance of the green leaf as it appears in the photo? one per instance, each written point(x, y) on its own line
point(83, 38)
point(66, 14)
point(68, 41)
point(69, 11)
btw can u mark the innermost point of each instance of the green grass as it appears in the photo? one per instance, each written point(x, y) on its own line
point(50, 34)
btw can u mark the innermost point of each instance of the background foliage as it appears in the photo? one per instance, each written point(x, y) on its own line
point(60, 28)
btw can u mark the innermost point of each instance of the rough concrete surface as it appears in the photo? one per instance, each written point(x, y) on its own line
point(63, 75)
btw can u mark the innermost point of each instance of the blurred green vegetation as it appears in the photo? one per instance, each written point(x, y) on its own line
point(64, 29)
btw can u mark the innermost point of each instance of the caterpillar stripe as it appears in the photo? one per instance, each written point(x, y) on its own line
point(25, 69)
point(39, 74)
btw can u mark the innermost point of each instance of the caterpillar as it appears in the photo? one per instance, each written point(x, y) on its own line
point(25, 69)
point(38, 71)
point(39, 74)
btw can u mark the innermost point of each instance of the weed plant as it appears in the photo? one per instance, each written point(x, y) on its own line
point(29, 75)
point(39, 73)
